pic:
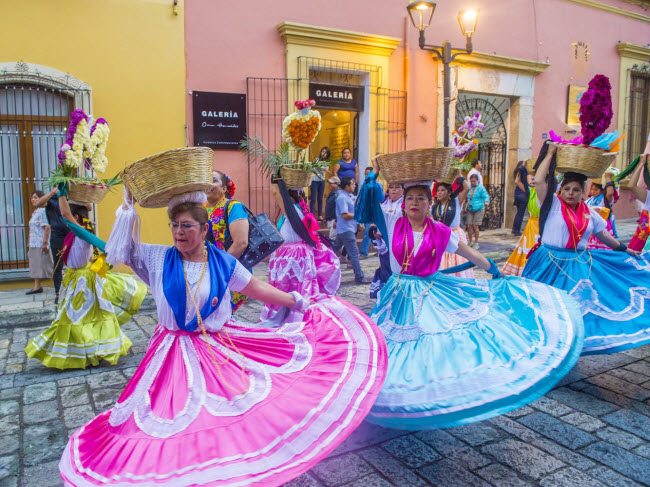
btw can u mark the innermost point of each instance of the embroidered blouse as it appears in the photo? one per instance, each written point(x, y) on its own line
point(556, 232)
point(391, 221)
point(149, 267)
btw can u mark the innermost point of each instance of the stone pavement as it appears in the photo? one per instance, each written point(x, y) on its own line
point(593, 429)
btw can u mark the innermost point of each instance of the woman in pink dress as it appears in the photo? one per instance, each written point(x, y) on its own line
point(220, 402)
point(305, 263)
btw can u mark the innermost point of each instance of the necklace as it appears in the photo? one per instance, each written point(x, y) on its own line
point(194, 299)
point(440, 215)
point(408, 256)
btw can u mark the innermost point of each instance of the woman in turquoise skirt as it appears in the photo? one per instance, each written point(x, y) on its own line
point(460, 350)
point(612, 288)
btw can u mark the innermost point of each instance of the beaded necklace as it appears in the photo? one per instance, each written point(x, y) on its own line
point(199, 319)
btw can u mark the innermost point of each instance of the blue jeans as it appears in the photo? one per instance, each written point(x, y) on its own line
point(349, 241)
point(317, 189)
point(365, 243)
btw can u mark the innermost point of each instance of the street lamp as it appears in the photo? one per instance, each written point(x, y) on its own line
point(421, 13)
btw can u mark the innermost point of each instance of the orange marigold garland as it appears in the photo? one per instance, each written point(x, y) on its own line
point(301, 127)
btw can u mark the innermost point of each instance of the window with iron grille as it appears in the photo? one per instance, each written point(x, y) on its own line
point(33, 124)
point(638, 111)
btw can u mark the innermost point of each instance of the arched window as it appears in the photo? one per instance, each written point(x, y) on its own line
point(34, 115)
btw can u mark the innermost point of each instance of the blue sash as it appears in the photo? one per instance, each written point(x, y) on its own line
point(221, 266)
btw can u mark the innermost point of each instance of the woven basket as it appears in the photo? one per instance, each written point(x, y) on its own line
point(295, 178)
point(156, 179)
point(530, 164)
point(87, 193)
point(451, 176)
point(416, 165)
point(590, 161)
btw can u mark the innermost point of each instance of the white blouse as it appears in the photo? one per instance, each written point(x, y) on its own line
point(556, 231)
point(80, 253)
point(37, 223)
point(391, 221)
point(393, 207)
point(150, 270)
point(286, 230)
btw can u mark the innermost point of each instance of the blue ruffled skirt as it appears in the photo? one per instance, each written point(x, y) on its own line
point(612, 289)
point(464, 350)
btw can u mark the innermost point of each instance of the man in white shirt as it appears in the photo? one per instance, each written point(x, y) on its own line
point(476, 169)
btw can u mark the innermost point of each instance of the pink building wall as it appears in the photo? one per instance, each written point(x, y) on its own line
point(224, 45)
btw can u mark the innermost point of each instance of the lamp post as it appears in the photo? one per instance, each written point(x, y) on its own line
point(421, 13)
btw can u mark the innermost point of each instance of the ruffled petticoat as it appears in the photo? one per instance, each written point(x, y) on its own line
point(515, 264)
point(86, 328)
point(452, 260)
point(464, 350)
point(279, 401)
point(307, 270)
point(612, 289)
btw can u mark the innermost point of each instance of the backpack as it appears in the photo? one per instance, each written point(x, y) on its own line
point(330, 206)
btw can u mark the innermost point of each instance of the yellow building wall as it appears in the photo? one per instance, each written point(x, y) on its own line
point(132, 54)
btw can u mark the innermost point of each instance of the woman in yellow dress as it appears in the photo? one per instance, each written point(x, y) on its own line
point(517, 260)
point(91, 307)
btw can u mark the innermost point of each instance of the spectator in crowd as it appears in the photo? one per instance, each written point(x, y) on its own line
point(330, 206)
point(318, 184)
point(40, 260)
point(58, 232)
point(522, 192)
point(347, 166)
point(365, 243)
point(346, 227)
point(476, 169)
point(477, 201)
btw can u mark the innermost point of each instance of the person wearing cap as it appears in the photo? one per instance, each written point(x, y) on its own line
point(611, 288)
point(460, 350)
point(217, 401)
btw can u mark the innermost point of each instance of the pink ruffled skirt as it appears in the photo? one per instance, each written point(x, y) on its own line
point(257, 407)
point(452, 260)
point(309, 271)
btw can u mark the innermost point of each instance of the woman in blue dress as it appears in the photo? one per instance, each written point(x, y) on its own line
point(460, 350)
point(612, 288)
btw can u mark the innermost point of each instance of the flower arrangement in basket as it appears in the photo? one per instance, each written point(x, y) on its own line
point(594, 151)
point(81, 156)
point(465, 145)
point(299, 129)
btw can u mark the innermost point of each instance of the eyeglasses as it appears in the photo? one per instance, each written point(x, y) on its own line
point(418, 199)
point(184, 226)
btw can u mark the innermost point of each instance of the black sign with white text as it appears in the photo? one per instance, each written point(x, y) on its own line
point(219, 119)
point(338, 97)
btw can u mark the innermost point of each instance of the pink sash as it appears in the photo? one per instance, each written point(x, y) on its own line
point(434, 242)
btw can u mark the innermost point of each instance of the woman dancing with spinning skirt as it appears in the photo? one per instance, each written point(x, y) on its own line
point(447, 210)
point(611, 287)
point(515, 264)
point(602, 200)
point(462, 350)
point(91, 308)
point(304, 263)
point(218, 402)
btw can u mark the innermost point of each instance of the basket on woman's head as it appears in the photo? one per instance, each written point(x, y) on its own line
point(587, 160)
point(416, 165)
point(156, 179)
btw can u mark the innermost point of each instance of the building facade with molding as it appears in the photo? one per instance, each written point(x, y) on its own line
point(121, 60)
point(159, 77)
point(529, 56)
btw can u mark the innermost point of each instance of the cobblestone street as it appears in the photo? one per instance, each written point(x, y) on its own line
point(593, 429)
